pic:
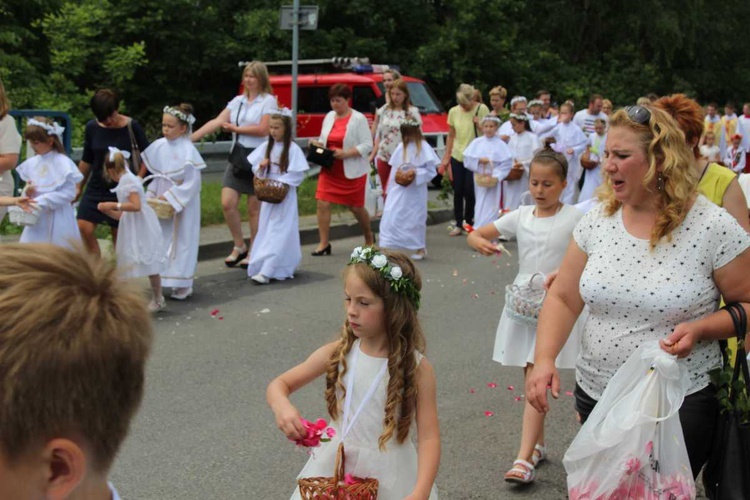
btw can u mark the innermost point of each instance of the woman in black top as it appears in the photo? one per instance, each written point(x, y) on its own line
point(110, 128)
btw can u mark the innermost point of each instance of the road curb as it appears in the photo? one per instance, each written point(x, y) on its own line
point(308, 236)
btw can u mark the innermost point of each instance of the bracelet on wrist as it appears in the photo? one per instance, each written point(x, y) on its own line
point(119, 206)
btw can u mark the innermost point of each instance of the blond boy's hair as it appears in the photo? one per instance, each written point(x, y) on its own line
point(74, 340)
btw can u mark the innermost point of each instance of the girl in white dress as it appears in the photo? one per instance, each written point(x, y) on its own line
point(176, 166)
point(543, 231)
point(276, 251)
point(404, 222)
point(488, 156)
point(378, 383)
point(140, 248)
point(51, 179)
point(523, 144)
point(570, 141)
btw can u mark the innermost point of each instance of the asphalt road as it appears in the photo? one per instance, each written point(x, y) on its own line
point(205, 432)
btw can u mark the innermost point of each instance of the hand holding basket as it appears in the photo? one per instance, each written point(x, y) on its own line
point(338, 487)
point(270, 190)
point(516, 172)
point(484, 177)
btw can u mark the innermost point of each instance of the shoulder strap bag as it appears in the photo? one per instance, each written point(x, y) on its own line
point(241, 168)
point(135, 151)
point(727, 473)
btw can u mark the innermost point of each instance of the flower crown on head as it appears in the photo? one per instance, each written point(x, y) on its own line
point(51, 128)
point(390, 272)
point(411, 122)
point(189, 119)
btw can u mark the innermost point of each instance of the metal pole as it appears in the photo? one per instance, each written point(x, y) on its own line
point(295, 57)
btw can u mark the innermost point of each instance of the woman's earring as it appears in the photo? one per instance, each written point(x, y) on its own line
point(659, 182)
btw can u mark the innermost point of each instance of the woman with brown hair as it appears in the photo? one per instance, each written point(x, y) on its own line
point(10, 145)
point(717, 183)
point(388, 133)
point(345, 131)
point(246, 117)
point(108, 128)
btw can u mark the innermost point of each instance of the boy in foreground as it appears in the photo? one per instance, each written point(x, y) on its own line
point(74, 340)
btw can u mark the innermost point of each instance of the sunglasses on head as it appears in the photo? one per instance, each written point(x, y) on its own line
point(638, 114)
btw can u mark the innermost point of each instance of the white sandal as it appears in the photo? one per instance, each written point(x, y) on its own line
point(522, 473)
point(539, 455)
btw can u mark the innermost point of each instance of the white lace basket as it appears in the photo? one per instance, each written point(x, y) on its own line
point(524, 302)
point(20, 217)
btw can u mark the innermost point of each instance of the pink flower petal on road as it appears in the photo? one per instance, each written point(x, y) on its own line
point(488, 413)
point(511, 388)
point(475, 296)
point(214, 312)
point(568, 393)
point(221, 317)
point(517, 398)
point(491, 385)
point(472, 391)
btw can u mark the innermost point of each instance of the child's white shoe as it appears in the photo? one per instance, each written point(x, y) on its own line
point(260, 279)
point(182, 293)
point(157, 305)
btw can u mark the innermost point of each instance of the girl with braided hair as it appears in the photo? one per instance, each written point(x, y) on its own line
point(378, 383)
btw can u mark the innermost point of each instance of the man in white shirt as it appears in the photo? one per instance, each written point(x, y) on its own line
point(585, 118)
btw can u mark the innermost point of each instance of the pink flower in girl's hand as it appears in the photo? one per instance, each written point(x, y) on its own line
point(316, 433)
point(349, 479)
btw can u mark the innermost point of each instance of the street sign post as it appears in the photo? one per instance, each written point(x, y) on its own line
point(296, 17)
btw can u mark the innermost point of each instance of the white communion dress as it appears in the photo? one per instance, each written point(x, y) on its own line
point(542, 243)
point(276, 251)
point(396, 467)
point(141, 248)
point(177, 167)
point(54, 177)
point(523, 146)
point(488, 198)
point(404, 222)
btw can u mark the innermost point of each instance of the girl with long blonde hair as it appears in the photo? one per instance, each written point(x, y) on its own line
point(378, 382)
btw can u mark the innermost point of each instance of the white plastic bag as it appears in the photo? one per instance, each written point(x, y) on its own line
point(632, 446)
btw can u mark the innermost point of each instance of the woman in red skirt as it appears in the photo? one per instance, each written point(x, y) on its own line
point(346, 132)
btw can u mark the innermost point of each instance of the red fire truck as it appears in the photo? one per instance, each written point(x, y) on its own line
point(366, 80)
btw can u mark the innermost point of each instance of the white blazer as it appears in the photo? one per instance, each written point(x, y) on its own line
point(357, 136)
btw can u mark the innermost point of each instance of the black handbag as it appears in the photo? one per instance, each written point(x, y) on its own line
point(320, 156)
point(241, 168)
point(727, 473)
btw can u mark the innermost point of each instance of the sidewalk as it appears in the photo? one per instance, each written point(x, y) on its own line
point(216, 242)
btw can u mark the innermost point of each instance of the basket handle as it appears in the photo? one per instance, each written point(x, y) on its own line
point(153, 176)
point(531, 280)
point(338, 469)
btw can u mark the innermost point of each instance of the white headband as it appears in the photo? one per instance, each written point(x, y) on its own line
point(283, 111)
point(519, 117)
point(53, 129)
point(518, 98)
point(113, 151)
point(189, 119)
point(491, 118)
point(535, 102)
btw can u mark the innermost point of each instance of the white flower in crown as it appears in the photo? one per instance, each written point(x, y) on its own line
point(366, 253)
point(379, 261)
point(357, 253)
point(396, 272)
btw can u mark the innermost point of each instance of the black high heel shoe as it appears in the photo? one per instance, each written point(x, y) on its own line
point(325, 251)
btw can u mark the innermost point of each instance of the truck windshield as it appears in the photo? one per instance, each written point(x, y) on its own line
point(421, 97)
